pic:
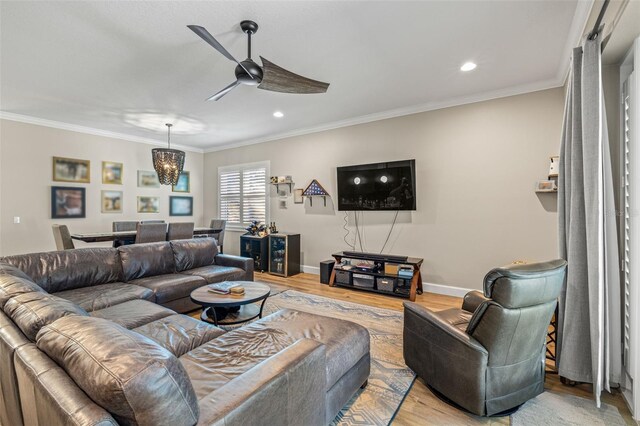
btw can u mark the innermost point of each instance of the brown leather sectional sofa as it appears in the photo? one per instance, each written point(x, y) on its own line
point(87, 337)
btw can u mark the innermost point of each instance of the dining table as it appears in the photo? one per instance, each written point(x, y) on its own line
point(99, 237)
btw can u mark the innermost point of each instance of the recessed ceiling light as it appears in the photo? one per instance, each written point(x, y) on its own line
point(468, 66)
point(278, 114)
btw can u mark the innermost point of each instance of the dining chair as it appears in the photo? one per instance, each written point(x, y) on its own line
point(219, 224)
point(151, 232)
point(121, 226)
point(62, 237)
point(125, 225)
point(180, 231)
point(153, 221)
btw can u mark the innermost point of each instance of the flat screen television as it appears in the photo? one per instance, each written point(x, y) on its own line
point(378, 186)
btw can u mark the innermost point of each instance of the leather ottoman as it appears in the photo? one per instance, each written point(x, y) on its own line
point(347, 353)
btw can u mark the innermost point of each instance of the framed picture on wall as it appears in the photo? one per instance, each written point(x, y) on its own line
point(180, 206)
point(68, 202)
point(111, 201)
point(148, 179)
point(111, 173)
point(184, 183)
point(148, 204)
point(71, 170)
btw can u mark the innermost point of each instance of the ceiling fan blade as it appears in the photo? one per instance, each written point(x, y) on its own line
point(206, 36)
point(277, 79)
point(224, 91)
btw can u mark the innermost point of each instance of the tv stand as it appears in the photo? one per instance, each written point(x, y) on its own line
point(377, 274)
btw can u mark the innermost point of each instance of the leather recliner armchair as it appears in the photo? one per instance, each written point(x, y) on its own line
point(489, 356)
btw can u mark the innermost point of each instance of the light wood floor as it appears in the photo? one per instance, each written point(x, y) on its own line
point(421, 407)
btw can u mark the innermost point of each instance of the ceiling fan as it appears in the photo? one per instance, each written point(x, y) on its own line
point(269, 76)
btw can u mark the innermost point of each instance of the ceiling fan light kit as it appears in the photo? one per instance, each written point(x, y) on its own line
point(167, 162)
point(268, 77)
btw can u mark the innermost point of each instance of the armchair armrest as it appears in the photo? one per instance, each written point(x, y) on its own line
point(472, 300)
point(244, 263)
point(287, 389)
point(447, 358)
point(443, 333)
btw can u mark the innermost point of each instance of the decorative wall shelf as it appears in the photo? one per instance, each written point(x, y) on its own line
point(315, 190)
point(289, 184)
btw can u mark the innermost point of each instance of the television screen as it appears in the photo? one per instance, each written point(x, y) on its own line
point(379, 186)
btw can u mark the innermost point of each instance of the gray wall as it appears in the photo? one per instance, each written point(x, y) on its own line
point(26, 180)
point(477, 166)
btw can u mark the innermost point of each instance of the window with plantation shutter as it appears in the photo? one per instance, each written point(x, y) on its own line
point(242, 193)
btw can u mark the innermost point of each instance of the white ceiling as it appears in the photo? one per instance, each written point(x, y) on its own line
point(116, 66)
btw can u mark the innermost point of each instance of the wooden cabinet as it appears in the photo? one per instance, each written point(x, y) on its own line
point(284, 254)
point(255, 247)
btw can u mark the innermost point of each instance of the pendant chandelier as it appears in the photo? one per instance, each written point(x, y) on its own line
point(168, 162)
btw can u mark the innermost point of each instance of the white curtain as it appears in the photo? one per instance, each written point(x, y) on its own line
point(589, 328)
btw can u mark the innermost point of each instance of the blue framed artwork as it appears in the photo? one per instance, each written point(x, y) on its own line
point(180, 206)
point(184, 183)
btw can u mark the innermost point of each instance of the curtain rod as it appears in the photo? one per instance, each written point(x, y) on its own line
point(596, 28)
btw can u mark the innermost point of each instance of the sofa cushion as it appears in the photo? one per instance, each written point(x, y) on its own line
point(133, 313)
point(9, 270)
point(226, 357)
point(219, 361)
point(346, 342)
point(32, 311)
point(129, 375)
point(194, 253)
point(103, 296)
point(11, 286)
point(217, 273)
point(179, 333)
point(171, 286)
point(68, 269)
point(145, 260)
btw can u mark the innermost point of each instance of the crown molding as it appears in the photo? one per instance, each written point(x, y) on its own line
point(399, 112)
point(90, 131)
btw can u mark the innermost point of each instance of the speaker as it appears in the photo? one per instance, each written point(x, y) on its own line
point(326, 266)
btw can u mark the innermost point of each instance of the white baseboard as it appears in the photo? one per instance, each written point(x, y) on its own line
point(311, 269)
point(447, 290)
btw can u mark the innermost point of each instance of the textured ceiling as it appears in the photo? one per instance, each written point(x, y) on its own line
point(128, 67)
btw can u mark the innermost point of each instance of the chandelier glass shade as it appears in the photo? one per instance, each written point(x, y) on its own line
point(168, 162)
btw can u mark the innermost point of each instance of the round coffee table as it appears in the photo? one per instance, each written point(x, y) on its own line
point(228, 309)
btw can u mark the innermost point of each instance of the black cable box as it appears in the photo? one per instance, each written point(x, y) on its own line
point(376, 256)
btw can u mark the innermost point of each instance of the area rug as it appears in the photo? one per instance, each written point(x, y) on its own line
point(555, 409)
point(390, 379)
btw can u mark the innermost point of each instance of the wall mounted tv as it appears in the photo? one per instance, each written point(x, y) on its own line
point(379, 186)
